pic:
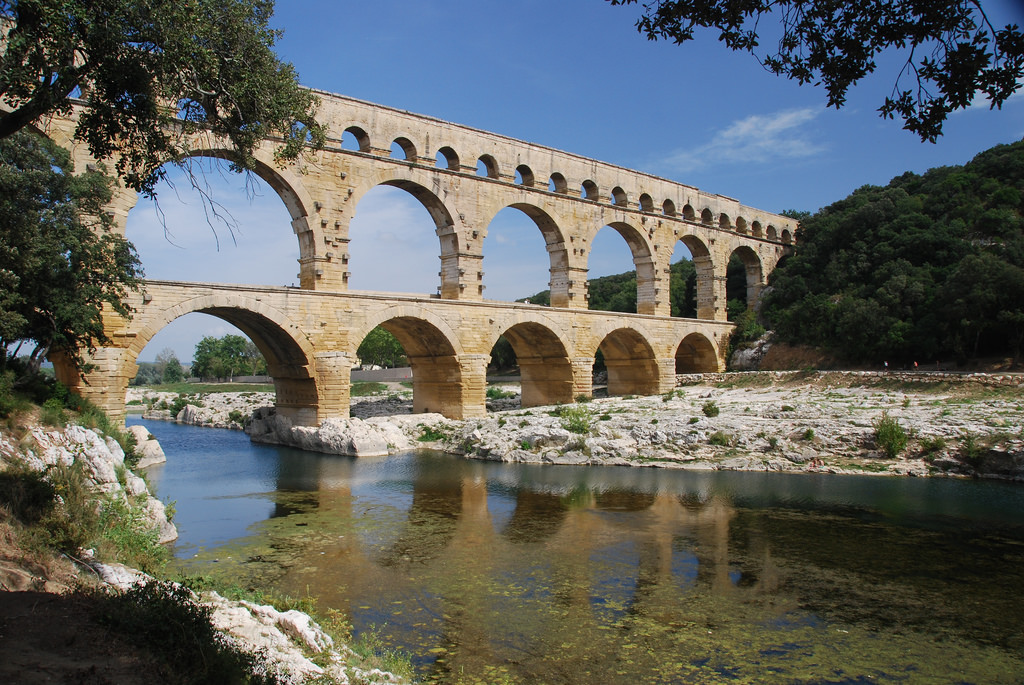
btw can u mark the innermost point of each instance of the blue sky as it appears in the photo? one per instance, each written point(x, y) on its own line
point(574, 75)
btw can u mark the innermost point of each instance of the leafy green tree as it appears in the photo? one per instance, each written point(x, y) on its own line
point(173, 373)
point(147, 375)
point(60, 263)
point(255, 364)
point(502, 354)
point(206, 358)
point(952, 52)
point(381, 348)
point(221, 357)
point(151, 72)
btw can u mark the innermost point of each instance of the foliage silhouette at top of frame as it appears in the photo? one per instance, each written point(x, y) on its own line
point(149, 71)
point(953, 52)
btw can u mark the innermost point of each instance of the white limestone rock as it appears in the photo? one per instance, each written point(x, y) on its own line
point(146, 446)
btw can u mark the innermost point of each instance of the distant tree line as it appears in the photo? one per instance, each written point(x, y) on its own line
point(930, 266)
point(221, 358)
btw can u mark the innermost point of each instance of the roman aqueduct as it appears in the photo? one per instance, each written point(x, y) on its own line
point(463, 177)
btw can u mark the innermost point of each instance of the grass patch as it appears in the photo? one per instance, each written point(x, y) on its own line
point(364, 388)
point(710, 409)
point(495, 392)
point(206, 388)
point(431, 434)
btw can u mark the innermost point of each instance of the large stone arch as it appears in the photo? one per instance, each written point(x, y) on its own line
point(289, 188)
point(754, 273)
point(696, 354)
point(554, 241)
point(291, 358)
point(705, 267)
point(440, 214)
point(643, 261)
point(546, 371)
point(434, 353)
point(631, 361)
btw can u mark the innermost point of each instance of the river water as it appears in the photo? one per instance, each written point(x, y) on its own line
point(498, 573)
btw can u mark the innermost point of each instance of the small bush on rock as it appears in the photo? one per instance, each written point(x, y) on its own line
point(889, 435)
point(710, 409)
point(721, 439)
point(575, 419)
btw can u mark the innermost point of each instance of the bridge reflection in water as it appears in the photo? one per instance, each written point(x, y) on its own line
point(571, 574)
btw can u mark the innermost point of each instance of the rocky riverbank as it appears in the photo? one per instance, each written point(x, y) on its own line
point(49, 606)
point(764, 421)
point(761, 422)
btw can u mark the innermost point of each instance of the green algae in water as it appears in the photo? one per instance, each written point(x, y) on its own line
point(593, 603)
point(489, 573)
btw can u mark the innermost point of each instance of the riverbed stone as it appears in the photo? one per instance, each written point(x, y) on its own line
point(146, 446)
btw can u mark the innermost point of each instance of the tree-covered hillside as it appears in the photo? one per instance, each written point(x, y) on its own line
point(929, 266)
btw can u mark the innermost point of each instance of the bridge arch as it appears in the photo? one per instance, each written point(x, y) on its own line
point(552, 234)
point(696, 354)
point(450, 158)
point(544, 365)
point(754, 273)
point(289, 354)
point(643, 262)
point(441, 216)
point(285, 183)
point(631, 362)
point(433, 350)
point(700, 253)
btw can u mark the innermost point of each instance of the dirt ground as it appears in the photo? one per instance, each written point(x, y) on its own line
point(57, 638)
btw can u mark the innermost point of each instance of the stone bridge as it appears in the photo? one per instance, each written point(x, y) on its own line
point(463, 177)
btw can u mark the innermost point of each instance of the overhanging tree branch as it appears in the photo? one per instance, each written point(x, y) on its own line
point(835, 43)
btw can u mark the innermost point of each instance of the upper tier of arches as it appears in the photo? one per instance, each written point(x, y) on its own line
point(394, 134)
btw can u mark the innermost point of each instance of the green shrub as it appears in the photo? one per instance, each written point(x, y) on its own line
point(808, 434)
point(52, 413)
point(971, 449)
point(10, 401)
point(694, 419)
point(667, 397)
point(889, 435)
point(583, 399)
point(177, 405)
point(494, 392)
point(236, 416)
point(575, 419)
point(773, 442)
point(430, 434)
point(710, 409)
point(721, 439)
point(604, 417)
point(788, 407)
point(125, 536)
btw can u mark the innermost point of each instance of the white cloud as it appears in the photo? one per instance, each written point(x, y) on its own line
point(758, 138)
